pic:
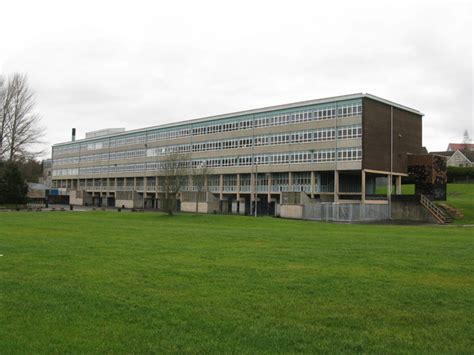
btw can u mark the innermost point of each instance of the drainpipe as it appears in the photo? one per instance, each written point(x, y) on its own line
point(391, 165)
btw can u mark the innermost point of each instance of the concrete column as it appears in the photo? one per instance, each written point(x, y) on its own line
point(221, 187)
point(252, 187)
point(290, 181)
point(238, 186)
point(389, 185)
point(312, 184)
point(336, 185)
point(157, 184)
point(398, 186)
point(269, 196)
point(362, 187)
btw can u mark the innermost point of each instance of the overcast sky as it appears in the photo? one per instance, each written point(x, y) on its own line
point(99, 64)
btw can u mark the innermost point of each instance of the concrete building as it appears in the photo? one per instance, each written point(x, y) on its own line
point(46, 178)
point(37, 194)
point(330, 149)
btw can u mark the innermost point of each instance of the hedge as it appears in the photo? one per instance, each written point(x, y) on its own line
point(459, 174)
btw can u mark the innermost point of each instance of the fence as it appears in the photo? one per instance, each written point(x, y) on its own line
point(345, 212)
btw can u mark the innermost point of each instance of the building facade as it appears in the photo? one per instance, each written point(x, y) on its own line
point(331, 149)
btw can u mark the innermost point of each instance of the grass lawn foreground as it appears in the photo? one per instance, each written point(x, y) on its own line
point(145, 282)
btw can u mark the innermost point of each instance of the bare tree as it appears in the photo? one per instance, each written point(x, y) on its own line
point(20, 125)
point(199, 176)
point(175, 173)
point(5, 100)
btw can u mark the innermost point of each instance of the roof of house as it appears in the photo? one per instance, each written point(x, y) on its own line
point(444, 154)
point(469, 154)
point(460, 146)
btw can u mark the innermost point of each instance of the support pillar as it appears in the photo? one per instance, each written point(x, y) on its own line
point(157, 188)
point(238, 186)
point(269, 182)
point(362, 187)
point(398, 188)
point(290, 181)
point(336, 185)
point(312, 184)
point(221, 187)
point(252, 187)
point(389, 186)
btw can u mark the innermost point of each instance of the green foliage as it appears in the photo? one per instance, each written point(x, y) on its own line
point(13, 189)
point(456, 173)
point(104, 282)
point(460, 171)
point(30, 169)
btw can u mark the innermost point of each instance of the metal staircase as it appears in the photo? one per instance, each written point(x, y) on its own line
point(438, 214)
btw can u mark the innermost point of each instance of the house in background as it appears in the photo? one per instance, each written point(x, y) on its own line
point(462, 158)
point(452, 147)
point(458, 154)
point(459, 158)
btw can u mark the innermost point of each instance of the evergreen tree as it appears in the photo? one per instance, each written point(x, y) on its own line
point(13, 188)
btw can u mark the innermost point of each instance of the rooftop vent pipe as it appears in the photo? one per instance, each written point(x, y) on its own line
point(73, 134)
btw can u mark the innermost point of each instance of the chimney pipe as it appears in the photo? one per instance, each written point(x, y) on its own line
point(73, 134)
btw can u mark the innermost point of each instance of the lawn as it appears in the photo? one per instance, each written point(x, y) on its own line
point(144, 282)
point(461, 196)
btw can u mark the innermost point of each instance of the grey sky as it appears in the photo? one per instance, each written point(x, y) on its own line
point(98, 64)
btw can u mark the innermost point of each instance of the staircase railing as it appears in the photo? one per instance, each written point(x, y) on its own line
point(434, 210)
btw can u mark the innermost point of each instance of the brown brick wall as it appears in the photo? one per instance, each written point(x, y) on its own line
point(407, 133)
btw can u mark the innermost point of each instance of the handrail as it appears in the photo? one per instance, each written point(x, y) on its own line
point(434, 210)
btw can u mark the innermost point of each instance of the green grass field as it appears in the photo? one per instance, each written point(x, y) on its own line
point(461, 196)
point(145, 282)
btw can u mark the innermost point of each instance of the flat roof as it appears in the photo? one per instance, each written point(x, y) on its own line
point(251, 112)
